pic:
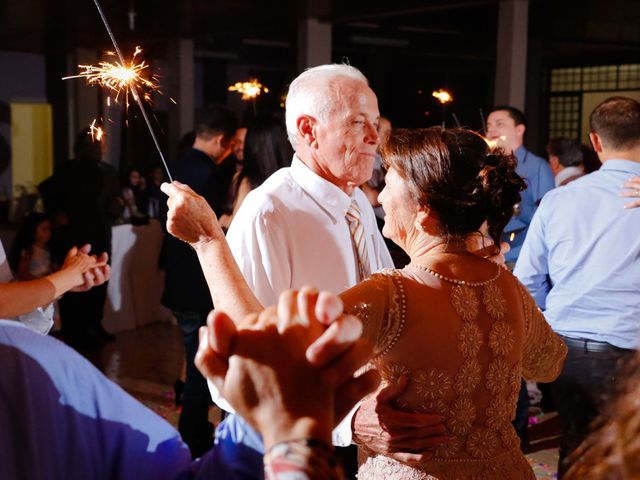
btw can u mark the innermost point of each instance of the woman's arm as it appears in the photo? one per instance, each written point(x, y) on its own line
point(544, 351)
point(78, 270)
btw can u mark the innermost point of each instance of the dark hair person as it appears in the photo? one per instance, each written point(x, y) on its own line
point(31, 245)
point(453, 332)
point(266, 150)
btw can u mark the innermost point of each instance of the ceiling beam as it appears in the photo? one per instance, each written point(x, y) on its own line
point(440, 7)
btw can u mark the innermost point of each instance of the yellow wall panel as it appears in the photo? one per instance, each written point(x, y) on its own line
point(31, 143)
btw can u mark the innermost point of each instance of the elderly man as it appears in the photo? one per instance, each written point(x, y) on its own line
point(580, 263)
point(311, 222)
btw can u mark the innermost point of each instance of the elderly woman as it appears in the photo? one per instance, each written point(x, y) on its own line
point(456, 330)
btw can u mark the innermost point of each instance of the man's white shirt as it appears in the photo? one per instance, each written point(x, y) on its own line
point(292, 231)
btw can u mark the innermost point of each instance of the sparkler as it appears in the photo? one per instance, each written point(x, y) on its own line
point(119, 77)
point(96, 132)
point(443, 97)
point(125, 77)
point(494, 143)
point(250, 90)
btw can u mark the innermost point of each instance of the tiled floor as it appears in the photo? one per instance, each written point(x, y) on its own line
point(146, 362)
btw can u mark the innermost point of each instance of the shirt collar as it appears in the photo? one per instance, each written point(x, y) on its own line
point(567, 172)
point(626, 166)
point(330, 197)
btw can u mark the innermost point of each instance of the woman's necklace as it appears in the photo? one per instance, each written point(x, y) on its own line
point(454, 280)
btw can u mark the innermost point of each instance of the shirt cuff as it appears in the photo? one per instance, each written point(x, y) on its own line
point(218, 399)
point(342, 434)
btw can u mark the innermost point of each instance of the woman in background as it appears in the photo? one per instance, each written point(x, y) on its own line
point(29, 256)
point(266, 149)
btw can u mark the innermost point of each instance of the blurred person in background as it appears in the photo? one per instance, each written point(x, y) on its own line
point(82, 199)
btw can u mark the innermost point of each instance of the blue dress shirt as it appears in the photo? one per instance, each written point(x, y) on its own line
point(537, 173)
point(581, 258)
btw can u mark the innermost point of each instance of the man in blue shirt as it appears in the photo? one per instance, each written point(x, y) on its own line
point(507, 125)
point(581, 262)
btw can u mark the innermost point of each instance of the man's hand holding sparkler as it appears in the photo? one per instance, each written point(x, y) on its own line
point(190, 218)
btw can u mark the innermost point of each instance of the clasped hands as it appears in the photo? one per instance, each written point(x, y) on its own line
point(81, 271)
point(289, 371)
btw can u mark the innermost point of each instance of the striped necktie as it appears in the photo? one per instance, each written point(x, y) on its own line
point(359, 240)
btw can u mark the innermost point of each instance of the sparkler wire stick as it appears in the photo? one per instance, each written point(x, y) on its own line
point(134, 91)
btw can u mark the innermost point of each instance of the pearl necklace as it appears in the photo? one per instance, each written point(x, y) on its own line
point(454, 280)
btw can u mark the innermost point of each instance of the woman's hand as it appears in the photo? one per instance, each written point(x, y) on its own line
point(264, 370)
point(76, 264)
point(190, 218)
point(632, 190)
point(97, 275)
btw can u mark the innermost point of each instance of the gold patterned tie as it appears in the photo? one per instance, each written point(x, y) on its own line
point(359, 240)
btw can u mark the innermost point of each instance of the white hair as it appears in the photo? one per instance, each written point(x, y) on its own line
point(311, 93)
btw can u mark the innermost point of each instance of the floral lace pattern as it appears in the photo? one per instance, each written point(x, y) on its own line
point(481, 442)
point(494, 302)
point(501, 338)
point(469, 340)
point(433, 384)
point(468, 377)
point(465, 302)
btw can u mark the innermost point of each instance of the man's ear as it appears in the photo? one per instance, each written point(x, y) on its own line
point(596, 142)
point(520, 129)
point(306, 129)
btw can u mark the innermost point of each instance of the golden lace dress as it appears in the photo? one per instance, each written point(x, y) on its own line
point(463, 348)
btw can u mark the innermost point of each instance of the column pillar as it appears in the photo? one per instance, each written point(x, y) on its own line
point(314, 36)
point(511, 53)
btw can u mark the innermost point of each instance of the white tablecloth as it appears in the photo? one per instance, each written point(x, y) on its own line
point(135, 288)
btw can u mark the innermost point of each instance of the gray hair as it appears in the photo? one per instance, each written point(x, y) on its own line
point(311, 93)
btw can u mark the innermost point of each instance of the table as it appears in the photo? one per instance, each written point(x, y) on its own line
point(135, 288)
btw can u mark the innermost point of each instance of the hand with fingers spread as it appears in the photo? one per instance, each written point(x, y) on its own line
point(283, 370)
point(190, 218)
point(631, 190)
point(406, 437)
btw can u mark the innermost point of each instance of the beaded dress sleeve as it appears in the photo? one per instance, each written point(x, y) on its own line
point(379, 302)
point(544, 351)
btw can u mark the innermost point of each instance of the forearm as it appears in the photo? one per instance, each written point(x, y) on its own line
point(227, 286)
point(18, 298)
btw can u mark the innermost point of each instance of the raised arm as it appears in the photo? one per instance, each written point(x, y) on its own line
point(191, 219)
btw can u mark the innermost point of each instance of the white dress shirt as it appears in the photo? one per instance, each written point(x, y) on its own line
point(39, 320)
point(292, 231)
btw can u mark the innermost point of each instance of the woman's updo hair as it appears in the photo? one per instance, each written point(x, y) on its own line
point(456, 174)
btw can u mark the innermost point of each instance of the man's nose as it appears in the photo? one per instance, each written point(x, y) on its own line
point(372, 136)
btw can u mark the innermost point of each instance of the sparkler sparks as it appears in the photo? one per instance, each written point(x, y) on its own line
point(496, 142)
point(443, 96)
point(96, 132)
point(126, 77)
point(249, 90)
